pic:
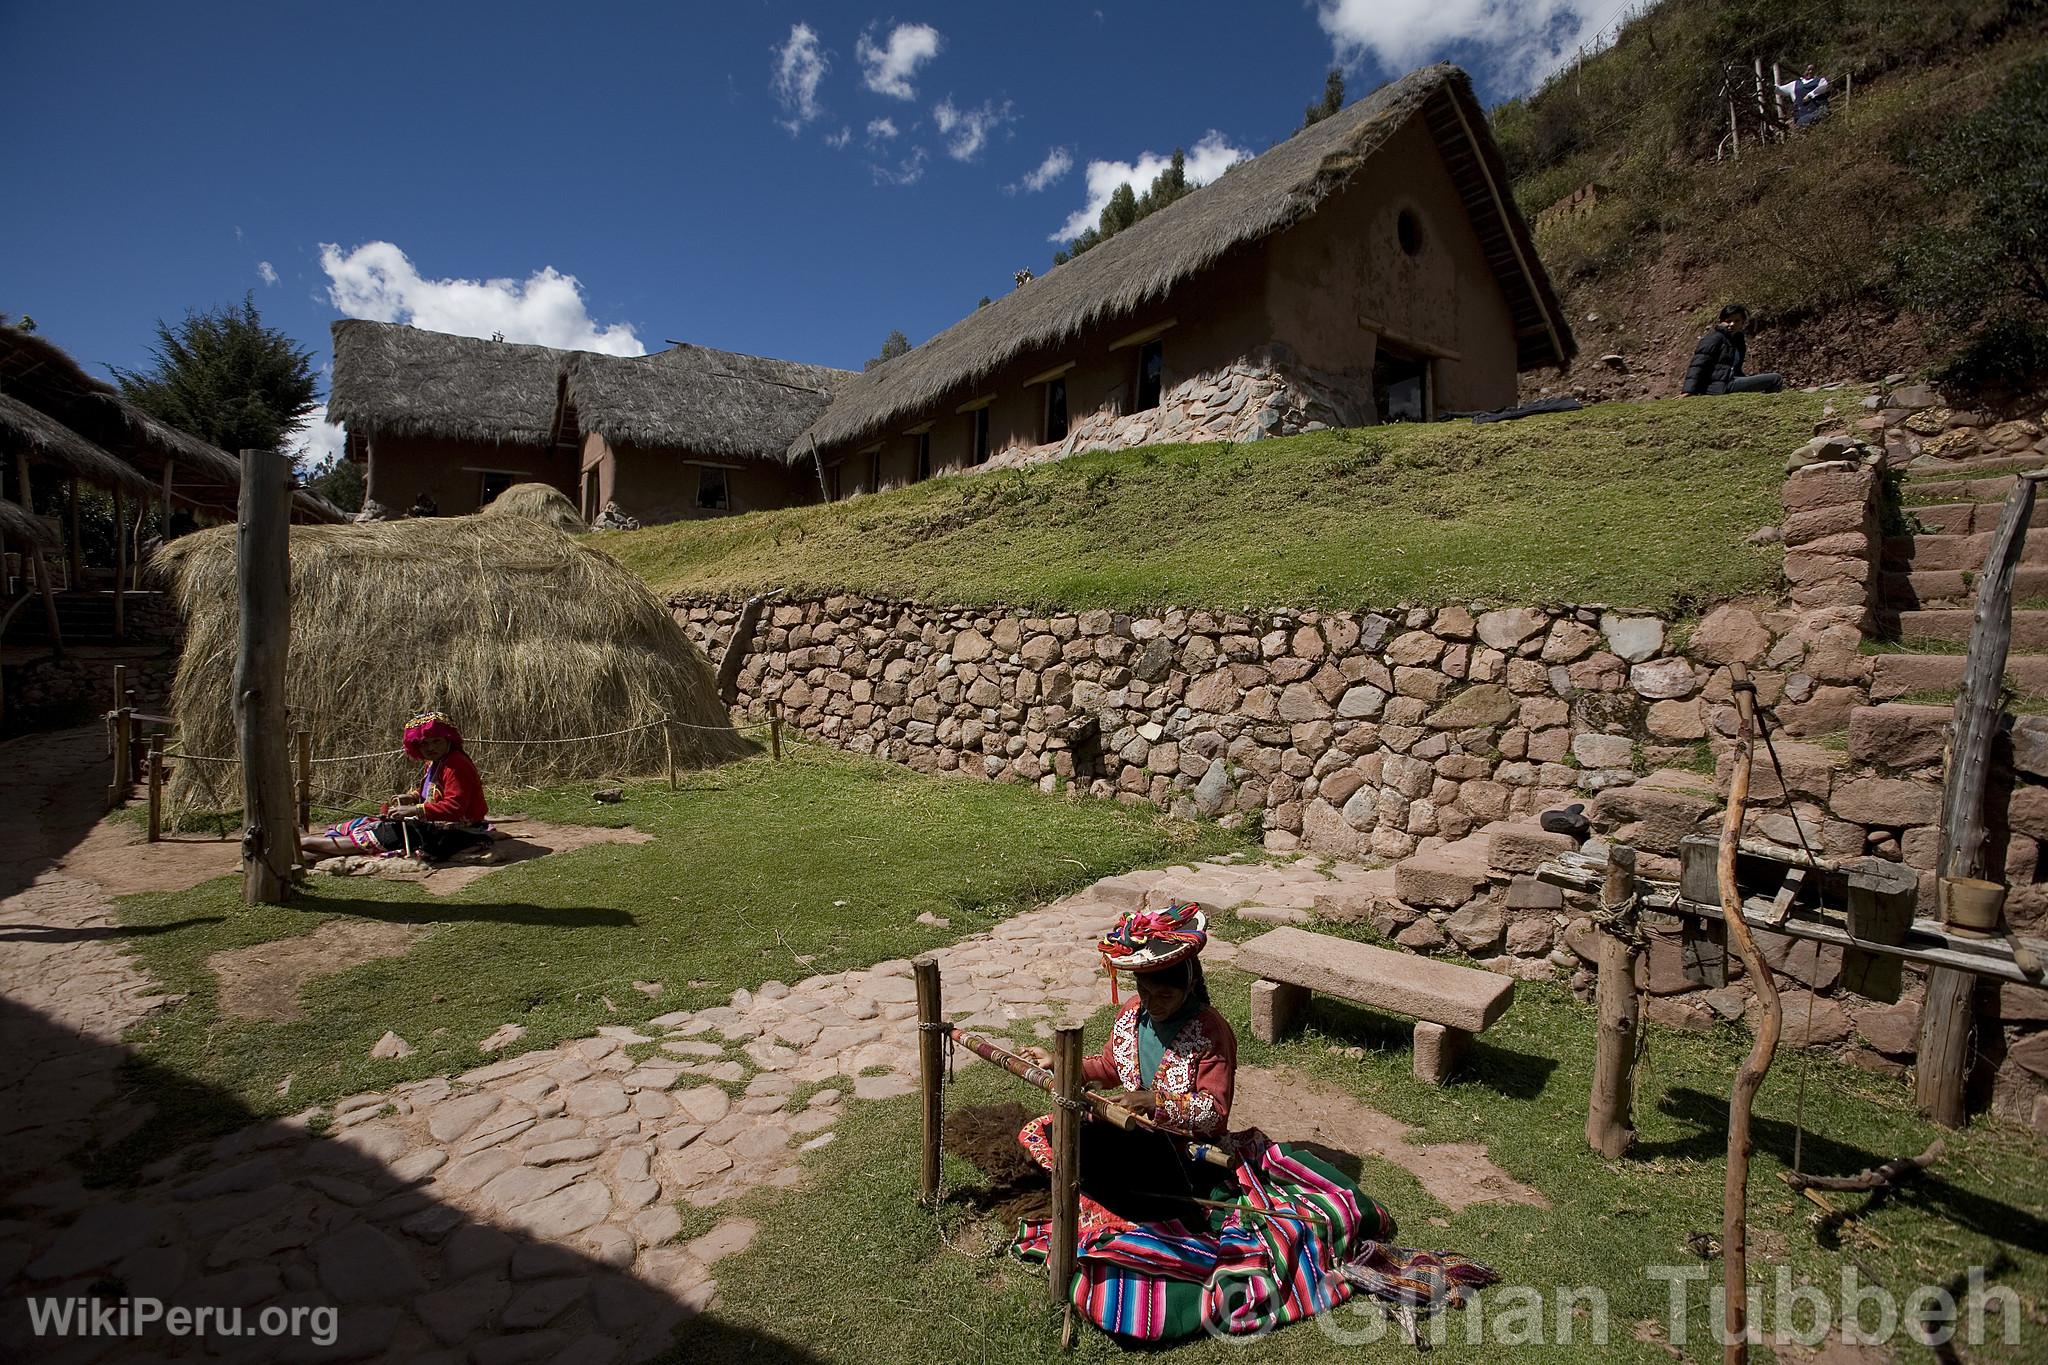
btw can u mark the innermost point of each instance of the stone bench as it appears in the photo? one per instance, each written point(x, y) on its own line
point(1449, 1003)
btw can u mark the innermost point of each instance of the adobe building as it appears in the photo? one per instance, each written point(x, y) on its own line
point(1371, 268)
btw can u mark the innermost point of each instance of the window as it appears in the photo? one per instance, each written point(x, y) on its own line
point(1151, 373)
point(978, 452)
point(590, 507)
point(1408, 231)
point(832, 482)
point(875, 472)
point(1056, 409)
point(1400, 387)
point(712, 493)
point(924, 456)
point(495, 481)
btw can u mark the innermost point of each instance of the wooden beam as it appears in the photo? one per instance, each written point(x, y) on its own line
point(930, 1073)
point(1047, 376)
point(1428, 348)
point(975, 404)
point(1501, 206)
point(1143, 335)
point(270, 845)
point(74, 553)
point(1610, 1117)
point(120, 567)
point(1066, 1164)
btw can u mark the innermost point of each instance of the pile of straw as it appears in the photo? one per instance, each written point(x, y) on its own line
point(539, 501)
point(515, 630)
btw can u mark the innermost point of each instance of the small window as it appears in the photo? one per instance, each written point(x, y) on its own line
point(1400, 387)
point(712, 495)
point(833, 483)
point(875, 472)
point(924, 456)
point(1151, 374)
point(590, 507)
point(1408, 231)
point(495, 482)
point(978, 452)
point(1056, 409)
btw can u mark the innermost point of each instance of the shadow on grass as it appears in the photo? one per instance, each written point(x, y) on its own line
point(1823, 1155)
point(50, 933)
point(491, 912)
point(1514, 1075)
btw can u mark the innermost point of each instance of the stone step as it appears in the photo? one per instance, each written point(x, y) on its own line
point(1447, 877)
point(1953, 625)
point(1896, 675)
point(1955, 587)
point(1955, 552)
point(1899, 736)
point(1961, 518)
point(1992, 489)
point(1934, 469)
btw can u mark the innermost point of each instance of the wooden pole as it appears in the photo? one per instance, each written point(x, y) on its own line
point(263, 582)
point(1610, 1117)
point(1947, 1013)
point(117, 786)
point(49, 600)
point(74, 561)
point(1066, 1163)
point(668, 745)
point(930, 1076)
point(120, 568)
point(302, 742)
point(1749, 1077)
point(775, 730)
point(156, 788)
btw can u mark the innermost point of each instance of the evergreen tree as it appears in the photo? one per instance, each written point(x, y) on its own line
point(339, 480)
point(1126, 207)
point(225, 377)
point(1331, 102)
point(893, 345)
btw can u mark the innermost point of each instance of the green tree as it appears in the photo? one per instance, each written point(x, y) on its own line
point(223, 376)
point(893, 345)
point(1126, 207)
point(1330, 103)
point(339, 480)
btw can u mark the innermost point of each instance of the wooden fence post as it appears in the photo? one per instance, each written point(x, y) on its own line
point(303, 743)
point(1066, 1162)
point(930, 1076)
point(156, 788)
point(775, 730)
point(117, 784)
point(668, 747)
point(120, 568)
point(1610, 1117)
point(270, 846)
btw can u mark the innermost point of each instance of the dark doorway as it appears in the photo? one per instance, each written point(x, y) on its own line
point(1400, 387)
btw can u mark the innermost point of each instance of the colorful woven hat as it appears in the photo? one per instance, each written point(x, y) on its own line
point(429, 725)
point(1146, 940)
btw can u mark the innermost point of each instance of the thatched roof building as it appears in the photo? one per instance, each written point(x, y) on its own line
point(526, 637)
point(396, 380)
point(693, 398)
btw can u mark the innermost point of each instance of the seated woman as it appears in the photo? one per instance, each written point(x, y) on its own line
point(443, 818)
point(1169, 1244)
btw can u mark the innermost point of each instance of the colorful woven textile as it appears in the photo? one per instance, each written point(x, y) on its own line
point(1142, 940)
point(429, 725)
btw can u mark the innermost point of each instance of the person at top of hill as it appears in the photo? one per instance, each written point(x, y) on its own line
point(444, 817)
point(1717, 361)
point(1808, 92)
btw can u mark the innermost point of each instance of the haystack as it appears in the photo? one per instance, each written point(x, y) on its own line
point(527, 639)
point(539, 501)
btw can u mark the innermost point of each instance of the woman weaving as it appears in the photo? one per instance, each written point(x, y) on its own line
point(445, 816)
point(1169, 1245)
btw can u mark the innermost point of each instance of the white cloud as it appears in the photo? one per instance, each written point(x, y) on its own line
point(840, 138)
point(315, 440)
point(376, 281)
point(1057, 163)
point(1206, 160)
point(887, 70)
point(908, 171)
point(1525, 40)
point(881, 129)
point(267, 271)
point(800, 66)
point(966, 130)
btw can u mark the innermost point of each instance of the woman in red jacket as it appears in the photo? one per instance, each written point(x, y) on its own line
point(445, 817)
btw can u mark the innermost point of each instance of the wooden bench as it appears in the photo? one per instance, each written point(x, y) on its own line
point(1449, 1003)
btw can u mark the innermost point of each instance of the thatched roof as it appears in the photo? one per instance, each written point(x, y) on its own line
point(1142, 264)
point(50, 441)
point(18, 524)
point(541, 502)
point(697, 399)
point(393, 378)
point(515, 630)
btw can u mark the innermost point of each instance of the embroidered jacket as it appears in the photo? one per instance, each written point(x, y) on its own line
point(1195, 1078)
point(451, 792)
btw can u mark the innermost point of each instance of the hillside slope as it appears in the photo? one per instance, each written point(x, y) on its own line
point(1645, 505)
point(1806, 231)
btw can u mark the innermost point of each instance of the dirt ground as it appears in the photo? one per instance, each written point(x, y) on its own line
point(263, 981)
point(518, 841)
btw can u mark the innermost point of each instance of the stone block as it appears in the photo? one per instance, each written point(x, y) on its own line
point(1523, 847)
point(1276, 1006)
point(1480, 705)
point(1895, 736)
point(1887, 801)
point(1632, 638)
point(1438, 1052)
point(1438, 880)
point(1380, 978)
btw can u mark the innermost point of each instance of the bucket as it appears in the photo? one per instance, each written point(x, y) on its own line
point(1971, 906)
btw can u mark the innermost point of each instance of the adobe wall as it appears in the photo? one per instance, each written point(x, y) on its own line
point(655, 484)
point(451, 472)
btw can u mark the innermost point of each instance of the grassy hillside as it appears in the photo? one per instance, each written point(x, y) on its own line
point(1646, 505)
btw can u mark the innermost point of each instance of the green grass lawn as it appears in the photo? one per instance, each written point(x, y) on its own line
point(757, 871)
point(848, 1268)
point(1640, 504)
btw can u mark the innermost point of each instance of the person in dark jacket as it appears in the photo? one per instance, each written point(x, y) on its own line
point(1717, 361)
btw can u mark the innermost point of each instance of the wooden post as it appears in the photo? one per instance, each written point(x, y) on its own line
point(1610, 1117)
point(74, 561)
point(120, 568)
point(1946, 1014)
point(303, 744)
point(49, 600)
point(930, 1075)
point(117, 786)
point(263, 583)
point(1066, 1163)
point(775, 730)
point(668, 746)
point(1749, 1077)
point(156, 788)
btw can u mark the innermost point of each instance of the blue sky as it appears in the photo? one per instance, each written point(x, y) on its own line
point(786, 180)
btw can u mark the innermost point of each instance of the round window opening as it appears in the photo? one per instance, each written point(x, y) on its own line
point(1408, 230)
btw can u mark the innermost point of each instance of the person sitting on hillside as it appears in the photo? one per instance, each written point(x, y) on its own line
point(443, 818)
point(1169, 1245)
point(1808, 92)
point(1717, 361)
point(424, 506)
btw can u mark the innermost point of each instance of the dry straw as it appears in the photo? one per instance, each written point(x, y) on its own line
point(499, 619)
